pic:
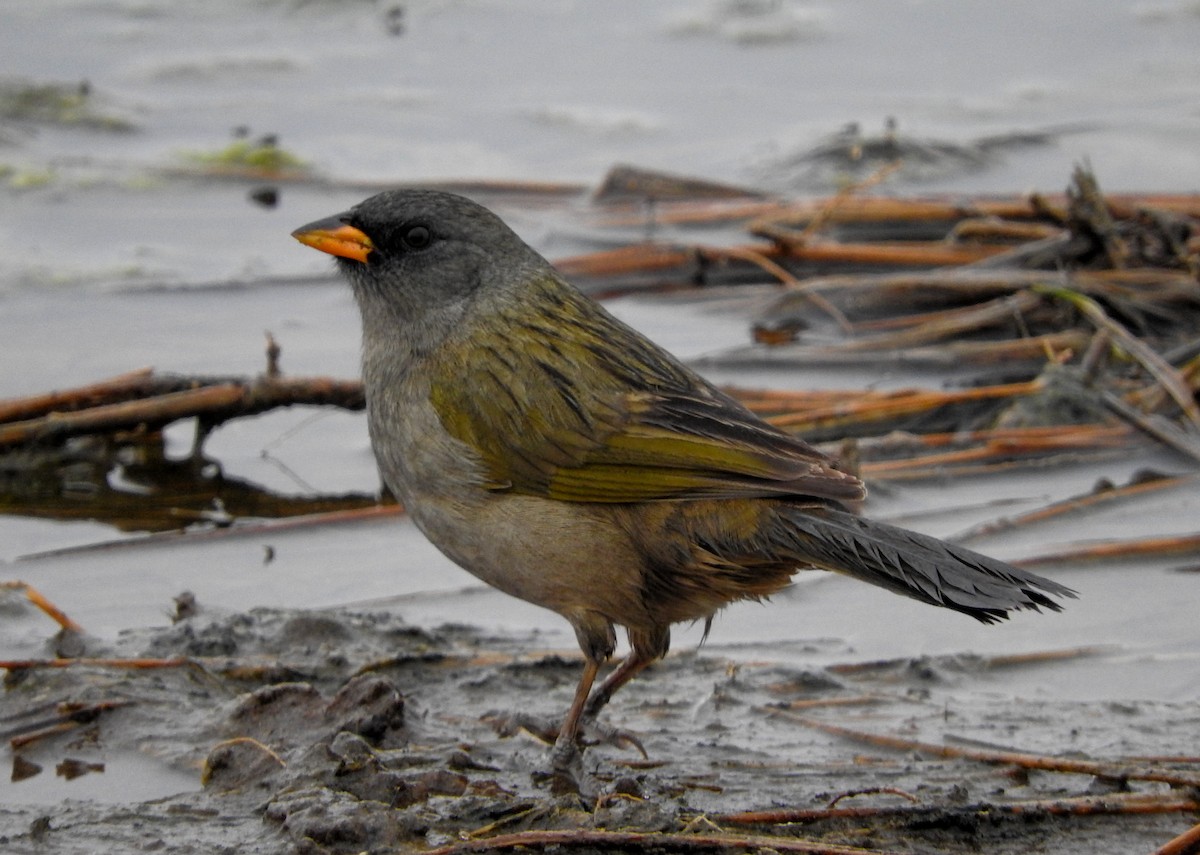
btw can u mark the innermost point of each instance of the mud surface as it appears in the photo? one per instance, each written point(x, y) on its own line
point(344, 731)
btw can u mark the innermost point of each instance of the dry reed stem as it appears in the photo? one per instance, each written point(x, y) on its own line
point(1038, 657)
point(1187, 843)
point(882, 209)
point(69, 716)
point(816, 703)
point(954, 354)
point(220, 400)
point(86, 662)
point(26, 739)
point(1155, 365)
point(566, 839)
point(1071, 505)
point(917, 319)
point(1118, 803)
point(623, 261)
point(38, 599)
point(777, 232)
point(906, 254)
point(122, 386)
point(1144, 547)
point(1155, 426)
point(952, 323)
point(875, 406)
point(994, 229)
point(1001, 448)
point(1107, 771)
point(796, 286)
point(256, 528)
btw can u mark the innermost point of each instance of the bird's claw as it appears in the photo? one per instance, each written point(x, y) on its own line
point(594, 733)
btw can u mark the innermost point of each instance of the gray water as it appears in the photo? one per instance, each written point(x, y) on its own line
point(555, 91)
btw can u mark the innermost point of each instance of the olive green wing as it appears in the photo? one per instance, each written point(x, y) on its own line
point(593, 412)
point(694, 446)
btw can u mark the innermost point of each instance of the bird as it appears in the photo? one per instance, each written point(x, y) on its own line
point(563, 458)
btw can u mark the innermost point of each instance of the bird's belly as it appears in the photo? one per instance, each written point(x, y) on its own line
point(569, 557)
point(565, 557)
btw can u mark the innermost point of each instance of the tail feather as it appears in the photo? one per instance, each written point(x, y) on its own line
point(919, 566)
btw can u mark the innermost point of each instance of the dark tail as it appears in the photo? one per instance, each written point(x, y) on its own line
point(920, 566)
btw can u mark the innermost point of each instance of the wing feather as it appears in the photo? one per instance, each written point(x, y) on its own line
point(641, 428)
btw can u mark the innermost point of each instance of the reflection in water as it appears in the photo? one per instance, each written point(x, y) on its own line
point(128, 481)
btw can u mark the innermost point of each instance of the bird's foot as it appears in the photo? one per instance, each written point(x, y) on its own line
point(590, 733)
point(567, 776)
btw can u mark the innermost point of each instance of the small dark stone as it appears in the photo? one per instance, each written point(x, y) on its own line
point(442, 782)
point(627, 785)
point(266, 197)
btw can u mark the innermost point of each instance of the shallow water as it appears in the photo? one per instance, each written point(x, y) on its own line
point(553, 91)
point(110, 262)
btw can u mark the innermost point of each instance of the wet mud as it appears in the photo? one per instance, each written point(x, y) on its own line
point(346, 731)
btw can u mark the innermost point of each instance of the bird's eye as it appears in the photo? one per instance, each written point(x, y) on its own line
point(416, 237)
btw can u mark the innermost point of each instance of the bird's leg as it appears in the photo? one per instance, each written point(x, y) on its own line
point(597, 641)
point(630, 667)
point(646, 645)
point(568, 733)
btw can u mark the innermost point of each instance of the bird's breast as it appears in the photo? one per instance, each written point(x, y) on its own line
point(567, 557)
point(418, 459)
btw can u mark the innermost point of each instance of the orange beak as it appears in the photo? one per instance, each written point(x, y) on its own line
point(333, 236)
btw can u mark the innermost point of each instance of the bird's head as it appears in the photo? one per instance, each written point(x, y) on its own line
point(419, 254)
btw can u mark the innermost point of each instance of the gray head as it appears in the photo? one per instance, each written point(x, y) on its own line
point(419, 254)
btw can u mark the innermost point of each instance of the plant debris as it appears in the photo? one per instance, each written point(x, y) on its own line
point(371, 735)
point(262, 158)
point(66, 104)
point(1094, 359)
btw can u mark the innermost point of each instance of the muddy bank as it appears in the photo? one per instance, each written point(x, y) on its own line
point(346, 731)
